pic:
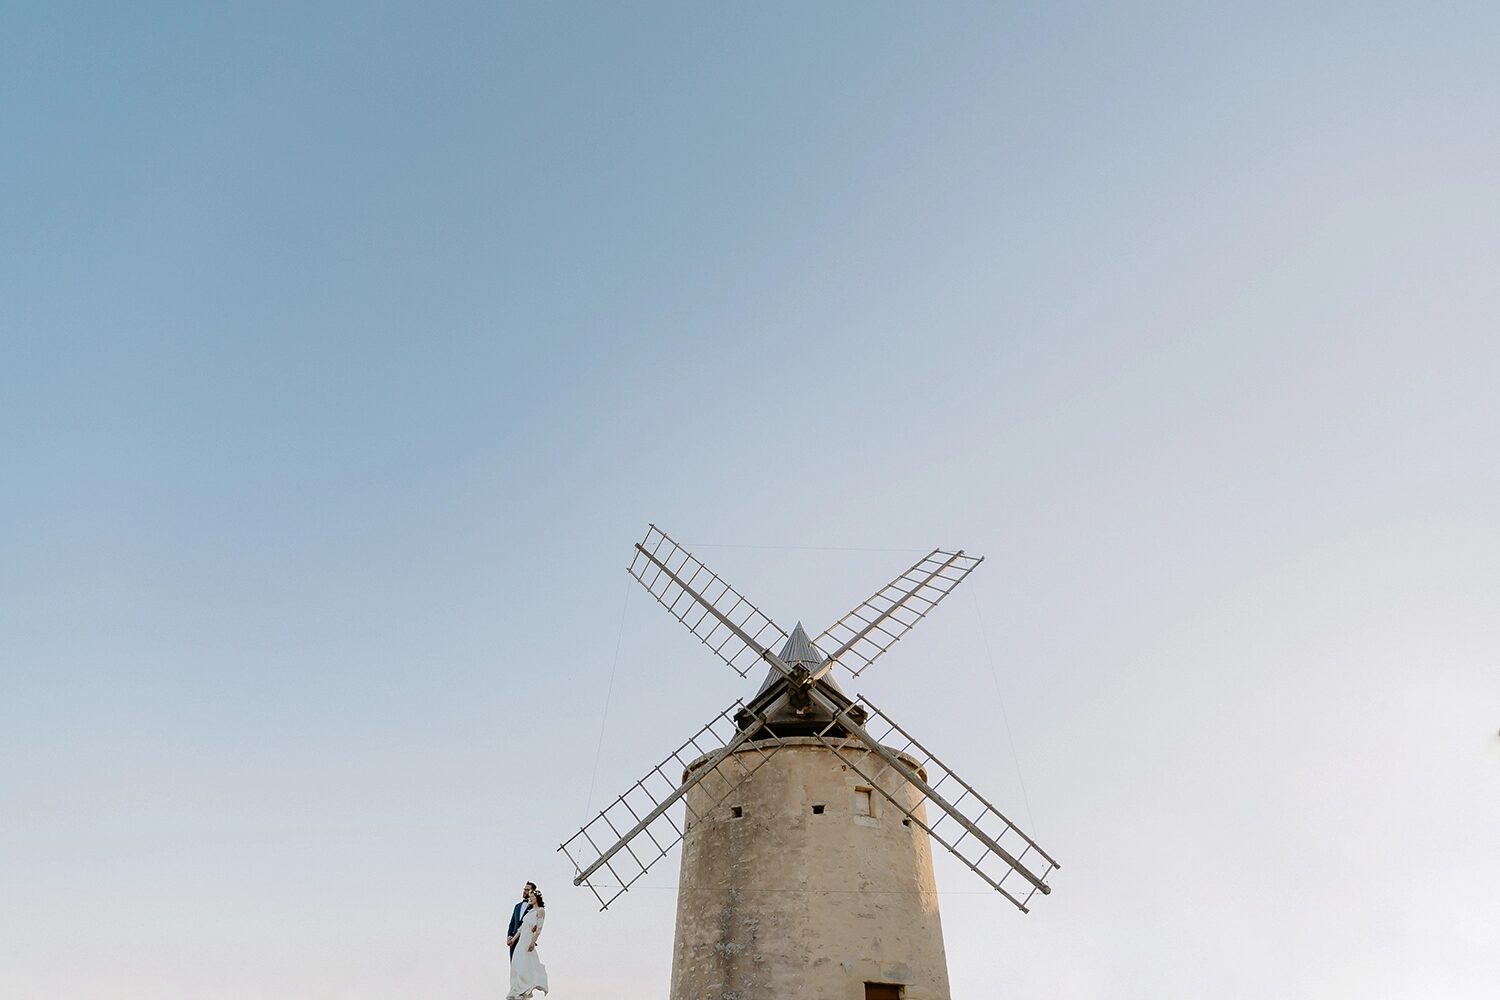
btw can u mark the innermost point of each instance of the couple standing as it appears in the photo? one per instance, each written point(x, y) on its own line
point(527, 972)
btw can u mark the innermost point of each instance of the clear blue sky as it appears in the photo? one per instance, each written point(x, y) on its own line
point(345, 349)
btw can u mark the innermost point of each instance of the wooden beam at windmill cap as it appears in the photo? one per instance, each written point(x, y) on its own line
point(757, 648)
point(734, 744)
point(927, 790)
point(664, 588)
point(849, 644)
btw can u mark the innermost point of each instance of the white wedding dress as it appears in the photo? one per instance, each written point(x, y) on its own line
point(527, 972)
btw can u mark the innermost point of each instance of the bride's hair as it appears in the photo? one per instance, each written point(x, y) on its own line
point(536, 894)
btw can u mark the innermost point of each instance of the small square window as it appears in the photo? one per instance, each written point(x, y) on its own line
point(736, 812)
point(817, 810)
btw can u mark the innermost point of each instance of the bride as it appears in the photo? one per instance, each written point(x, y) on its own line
point(527, 972)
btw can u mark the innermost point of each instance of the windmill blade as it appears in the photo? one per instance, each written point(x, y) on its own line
point(860, 637)
point(972, 829)
point(711, 609)
point(638, 826)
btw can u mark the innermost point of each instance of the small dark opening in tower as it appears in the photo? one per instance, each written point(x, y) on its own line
point(906, 821)
point(817, 810)
point(883, 991)
point(736, 812)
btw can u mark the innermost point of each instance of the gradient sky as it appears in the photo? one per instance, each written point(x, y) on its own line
point(345, 350)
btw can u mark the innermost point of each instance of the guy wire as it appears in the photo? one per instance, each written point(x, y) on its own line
point(795, 548)
point(609, 690)
point(1004, 717)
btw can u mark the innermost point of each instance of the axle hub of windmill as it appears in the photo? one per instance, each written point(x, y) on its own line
point(807, 818)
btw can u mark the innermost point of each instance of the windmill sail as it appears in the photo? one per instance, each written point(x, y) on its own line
point(637, 829)
point(972, 829)
point(864, 634)
point(711, 609)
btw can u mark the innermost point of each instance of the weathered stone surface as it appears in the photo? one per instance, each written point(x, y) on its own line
point(781, 902)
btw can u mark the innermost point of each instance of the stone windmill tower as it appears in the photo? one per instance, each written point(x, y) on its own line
point(808, 817)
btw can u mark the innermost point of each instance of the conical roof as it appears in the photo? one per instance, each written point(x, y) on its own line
point(794, 716)
point(798, 648)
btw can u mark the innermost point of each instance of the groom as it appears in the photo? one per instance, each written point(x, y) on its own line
point(516, 915)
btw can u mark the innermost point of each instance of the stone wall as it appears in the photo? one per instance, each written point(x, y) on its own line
point(780, 902)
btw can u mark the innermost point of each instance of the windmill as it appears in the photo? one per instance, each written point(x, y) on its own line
point(807, 858)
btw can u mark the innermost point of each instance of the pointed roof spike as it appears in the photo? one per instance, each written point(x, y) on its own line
point(800, 649)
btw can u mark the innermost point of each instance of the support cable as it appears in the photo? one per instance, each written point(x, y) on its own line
point(1004, 717)
point(588, 807)
point(795, 548)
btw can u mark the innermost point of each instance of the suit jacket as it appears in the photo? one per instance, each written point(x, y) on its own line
point(515, 919)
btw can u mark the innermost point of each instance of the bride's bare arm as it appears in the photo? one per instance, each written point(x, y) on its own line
point(536, 930)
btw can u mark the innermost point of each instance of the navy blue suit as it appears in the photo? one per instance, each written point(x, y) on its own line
point(515, 921)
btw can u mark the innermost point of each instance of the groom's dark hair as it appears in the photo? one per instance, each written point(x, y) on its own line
point(531, 886)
